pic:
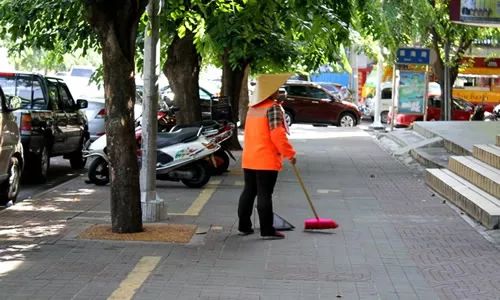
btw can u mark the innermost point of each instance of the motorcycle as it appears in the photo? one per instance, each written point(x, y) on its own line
point(494, 115)
point(183, 155)
point(216, 132)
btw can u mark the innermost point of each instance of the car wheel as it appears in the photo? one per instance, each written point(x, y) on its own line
point(10, 187)
point(288, 118)
point(383, 117)
point(347, 120)
point(76, 159)
point(40, 165)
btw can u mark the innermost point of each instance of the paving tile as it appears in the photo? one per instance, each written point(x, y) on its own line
point(395, 240)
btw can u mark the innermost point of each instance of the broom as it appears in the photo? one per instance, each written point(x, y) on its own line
point(316, 223)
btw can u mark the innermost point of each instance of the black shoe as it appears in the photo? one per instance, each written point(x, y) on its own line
point(276, 236)
point(246, 232)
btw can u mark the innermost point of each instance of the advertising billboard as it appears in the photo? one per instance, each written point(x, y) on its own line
point(476, 12)
point(412, 90)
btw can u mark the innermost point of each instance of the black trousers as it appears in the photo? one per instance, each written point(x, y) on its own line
point(260, 184)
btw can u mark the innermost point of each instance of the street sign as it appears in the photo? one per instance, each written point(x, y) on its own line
point(413, 56)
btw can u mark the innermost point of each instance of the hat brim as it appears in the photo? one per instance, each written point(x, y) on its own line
point(266, 85)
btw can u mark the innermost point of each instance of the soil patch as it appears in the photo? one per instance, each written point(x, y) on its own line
point(153, 232)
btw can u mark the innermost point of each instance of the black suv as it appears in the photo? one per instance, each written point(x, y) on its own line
point(50, 122)
point(307, 102)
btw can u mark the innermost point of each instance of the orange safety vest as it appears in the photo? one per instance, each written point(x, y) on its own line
point(263, 148)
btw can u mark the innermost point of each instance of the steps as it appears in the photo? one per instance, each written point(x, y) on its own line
point(472, 183)
point(480, 205)
point(477, 172)
point(489, 154)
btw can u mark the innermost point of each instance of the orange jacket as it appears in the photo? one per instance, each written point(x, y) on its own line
point(264, 148)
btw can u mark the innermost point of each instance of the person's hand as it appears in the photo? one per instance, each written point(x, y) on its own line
point(293, 160)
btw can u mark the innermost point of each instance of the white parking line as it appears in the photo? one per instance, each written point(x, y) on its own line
point(328, 191)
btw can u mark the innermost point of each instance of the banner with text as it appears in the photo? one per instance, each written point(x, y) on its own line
point(476, 12)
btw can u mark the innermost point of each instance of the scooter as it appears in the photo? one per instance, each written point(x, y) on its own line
point(216, 132)
point(494, 115)
point(184, 155)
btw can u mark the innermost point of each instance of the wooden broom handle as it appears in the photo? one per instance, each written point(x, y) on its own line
point(305, 190)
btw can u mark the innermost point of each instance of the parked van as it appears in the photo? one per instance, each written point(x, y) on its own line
point(385, 102)
point(11, 149)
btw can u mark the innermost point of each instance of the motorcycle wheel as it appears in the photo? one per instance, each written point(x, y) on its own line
point(201, 177)
point(99, 171)
point(221, 162)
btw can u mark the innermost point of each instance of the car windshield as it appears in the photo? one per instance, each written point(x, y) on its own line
point(82, 72)
point(25, 87)
point(461, 104)
point(331, 87)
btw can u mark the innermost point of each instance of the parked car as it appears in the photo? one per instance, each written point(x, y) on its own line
point(385, 103)
point(167, 95)
point(96, 115)
point(307, 102)
point(212, 106)
point(338, 90)
point(50, 122)
point(461, 110)
point(386, 100)
point(81, 71)
point(11, 149)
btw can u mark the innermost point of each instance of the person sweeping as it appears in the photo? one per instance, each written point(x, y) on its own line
point(265, 146)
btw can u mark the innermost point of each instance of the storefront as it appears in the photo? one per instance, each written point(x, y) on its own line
point(478, 81)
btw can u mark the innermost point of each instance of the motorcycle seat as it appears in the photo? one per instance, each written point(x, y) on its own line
point(184, 135)
point(206, 124)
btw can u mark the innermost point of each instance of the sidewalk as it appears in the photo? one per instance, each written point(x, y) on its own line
point(396, 240)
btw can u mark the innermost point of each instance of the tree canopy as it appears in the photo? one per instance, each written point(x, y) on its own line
point(241, 36)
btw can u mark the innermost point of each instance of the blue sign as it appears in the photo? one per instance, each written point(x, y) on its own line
point(413, 56)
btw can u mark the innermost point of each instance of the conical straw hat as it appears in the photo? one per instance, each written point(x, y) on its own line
point(266, 85)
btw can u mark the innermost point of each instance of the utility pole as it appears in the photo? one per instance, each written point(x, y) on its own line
point(354, 76)
point(153, 208)
point(377, 125)
point(395, 94)
point(446, 79)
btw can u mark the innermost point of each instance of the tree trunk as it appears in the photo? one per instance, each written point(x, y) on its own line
point(438, 66)
point(244, 98)
point(116, 23)
point(438, 69)
point(232, 81)
point(182, 69)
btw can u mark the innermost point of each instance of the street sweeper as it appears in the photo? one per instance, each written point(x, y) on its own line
point(265, 146)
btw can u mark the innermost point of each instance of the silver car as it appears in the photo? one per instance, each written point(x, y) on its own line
point(96, 114)
point(11, 150)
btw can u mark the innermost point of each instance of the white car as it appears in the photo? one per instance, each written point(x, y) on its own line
point(81, 71)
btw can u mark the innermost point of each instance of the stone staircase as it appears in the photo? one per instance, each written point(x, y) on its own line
point(472, 183)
